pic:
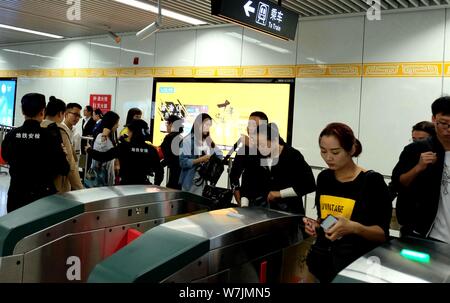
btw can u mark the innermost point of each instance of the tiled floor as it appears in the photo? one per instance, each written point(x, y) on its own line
point(4, 185)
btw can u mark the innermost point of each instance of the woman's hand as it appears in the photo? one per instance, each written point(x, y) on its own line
point(310, 226)
point(205, 158)
point(273, 196)
point(87, 147)
point(105, 134)
point(342, 228)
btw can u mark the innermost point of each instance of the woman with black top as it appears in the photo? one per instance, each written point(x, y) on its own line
point(284, 177)
point(138, 159)
point(357, 197)
point(171, 150)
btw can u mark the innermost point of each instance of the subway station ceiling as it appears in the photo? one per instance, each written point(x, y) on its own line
point(100, 16)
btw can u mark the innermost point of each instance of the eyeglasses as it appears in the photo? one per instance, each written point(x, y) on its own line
point(75, 114)
point(443, 125)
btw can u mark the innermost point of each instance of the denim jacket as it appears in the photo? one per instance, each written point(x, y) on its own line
point(188, 153)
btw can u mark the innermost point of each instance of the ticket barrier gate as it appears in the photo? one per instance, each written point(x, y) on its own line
point(404, 260)
point(61, 238)
point(226, 245)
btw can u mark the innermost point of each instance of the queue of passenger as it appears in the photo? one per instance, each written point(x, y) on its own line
point(266, 172)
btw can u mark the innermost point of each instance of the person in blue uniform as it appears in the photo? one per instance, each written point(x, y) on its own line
point(35, 155)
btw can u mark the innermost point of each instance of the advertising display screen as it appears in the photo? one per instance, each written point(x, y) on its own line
point(228, 103)
point(7, 100)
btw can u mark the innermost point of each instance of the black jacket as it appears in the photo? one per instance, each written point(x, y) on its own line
point(171, 160)
point(417, 204)
point(88, 128)
point(35, 157)
point(290, 171)
point(247, 164)
point(137, 162)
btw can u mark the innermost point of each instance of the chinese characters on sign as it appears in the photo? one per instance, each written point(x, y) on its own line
point(102, 102)
point(262, 15)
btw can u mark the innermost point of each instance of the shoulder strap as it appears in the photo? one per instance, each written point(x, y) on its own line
point(364, 186)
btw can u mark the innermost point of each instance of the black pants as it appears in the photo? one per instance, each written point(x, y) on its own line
point(174, 177)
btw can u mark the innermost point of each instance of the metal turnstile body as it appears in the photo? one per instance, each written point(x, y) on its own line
point(226, 245)
point(50, 239)
point(385, 264)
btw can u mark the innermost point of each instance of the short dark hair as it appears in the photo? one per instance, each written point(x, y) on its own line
point(32, 104)
point(54, 107)
point(98, 112)
point(89, 109)
point(174, 118)
point(425, 126)
point(344, 134)
point(260, 115)
point(441, 106)
point(131, 113)
point(270, 132)
point(73, 105)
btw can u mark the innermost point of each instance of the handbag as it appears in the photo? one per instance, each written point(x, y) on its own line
point(220, 197)
point(211, 170)
point(96, 176)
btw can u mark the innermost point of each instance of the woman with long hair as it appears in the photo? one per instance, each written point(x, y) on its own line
point(104, 140)
point(133, 114)
point(196, 149)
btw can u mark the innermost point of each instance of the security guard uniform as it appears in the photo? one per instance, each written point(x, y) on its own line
point(35, 157)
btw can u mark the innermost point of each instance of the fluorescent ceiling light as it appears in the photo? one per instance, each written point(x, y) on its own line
point(124, 49)
point(30, 31)
point(29, 54)
point(154, 9)
point(258, 43)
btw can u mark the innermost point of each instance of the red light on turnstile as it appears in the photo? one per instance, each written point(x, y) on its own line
point(263, 272)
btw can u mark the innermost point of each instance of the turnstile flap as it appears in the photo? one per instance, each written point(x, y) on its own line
point(151, 258)
point(34, 217)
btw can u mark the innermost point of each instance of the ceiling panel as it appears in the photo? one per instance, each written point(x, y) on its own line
point(100, 16)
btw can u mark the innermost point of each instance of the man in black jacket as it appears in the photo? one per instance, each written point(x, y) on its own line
point(34, 154)
point(247, 164)
point(286, 176)
point(422, 179)
point(171, 149)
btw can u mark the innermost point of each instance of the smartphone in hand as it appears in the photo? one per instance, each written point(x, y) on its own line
point(329, 222)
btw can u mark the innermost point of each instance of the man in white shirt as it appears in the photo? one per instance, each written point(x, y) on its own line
point(71, 118)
